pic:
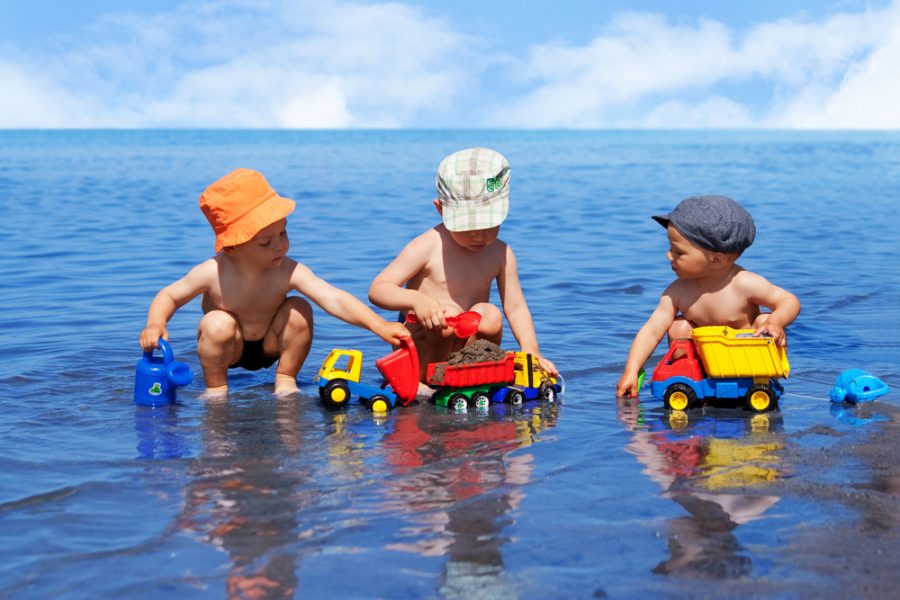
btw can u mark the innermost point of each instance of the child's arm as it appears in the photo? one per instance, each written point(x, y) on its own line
point(516, 310)
point(345, 306)
point(784, 305)
point(171, 298)
point(645, 342)
point(387, 289)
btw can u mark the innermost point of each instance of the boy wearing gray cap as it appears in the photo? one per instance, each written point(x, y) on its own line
point(450, 268)
point(706, 236)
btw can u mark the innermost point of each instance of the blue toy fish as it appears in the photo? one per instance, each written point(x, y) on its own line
point(856, 385)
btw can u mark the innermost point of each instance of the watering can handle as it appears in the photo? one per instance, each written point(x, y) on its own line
point(165, 348)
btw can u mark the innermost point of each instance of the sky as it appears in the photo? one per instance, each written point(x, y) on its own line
point(566, 64)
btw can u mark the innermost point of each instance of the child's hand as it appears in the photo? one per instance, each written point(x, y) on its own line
point(547, 365)
point(774, 331)
point(150, 337)
point(392, 332)
point(627, 387)
point(429, 313)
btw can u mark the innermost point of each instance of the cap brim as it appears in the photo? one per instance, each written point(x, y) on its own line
point(471, 216)
point(273, 209)
point(662, 220)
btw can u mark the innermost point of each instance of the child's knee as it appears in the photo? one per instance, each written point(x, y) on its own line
point(491, 319)
point(299, 313)
point(760, 320)
point(680, 329)
point(218, 326)
point(294, 319)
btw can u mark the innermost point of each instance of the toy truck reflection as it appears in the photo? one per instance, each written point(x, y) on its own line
point(514, 379)
point(724, 363)
point(339, 375)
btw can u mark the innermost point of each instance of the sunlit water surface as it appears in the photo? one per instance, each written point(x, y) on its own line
point(257, 496)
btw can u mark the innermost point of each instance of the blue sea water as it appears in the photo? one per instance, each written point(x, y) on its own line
point(265, 497)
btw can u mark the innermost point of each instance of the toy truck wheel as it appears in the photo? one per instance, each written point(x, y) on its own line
point(481, 400)
point(679, 396)
point(547, 392)
point(379, 403)
point(760, 398)
point(459, 403)
point(336, 393)
point(515, 397)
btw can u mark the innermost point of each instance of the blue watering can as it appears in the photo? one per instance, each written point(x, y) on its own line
point(157, 377)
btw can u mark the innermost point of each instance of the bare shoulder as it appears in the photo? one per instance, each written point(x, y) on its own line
point(681, 293)
point(206, 271)
point(747, 280)
point(294, 269)
point(423, 244)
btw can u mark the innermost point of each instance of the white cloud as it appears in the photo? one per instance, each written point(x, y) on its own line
point(865, 97)
point(242, 64)
point(643, 71)
point(336, 64)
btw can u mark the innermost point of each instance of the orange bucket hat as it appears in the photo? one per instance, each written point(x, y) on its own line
point(240, 204)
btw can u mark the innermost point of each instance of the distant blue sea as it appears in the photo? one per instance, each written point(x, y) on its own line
point(587, 497)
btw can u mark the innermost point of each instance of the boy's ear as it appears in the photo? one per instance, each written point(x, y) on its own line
point(720, 259)
point(439, 206)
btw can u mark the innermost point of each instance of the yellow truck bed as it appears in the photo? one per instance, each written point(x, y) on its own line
point(727, 352)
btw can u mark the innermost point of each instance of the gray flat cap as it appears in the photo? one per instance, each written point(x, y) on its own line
point(716, 223)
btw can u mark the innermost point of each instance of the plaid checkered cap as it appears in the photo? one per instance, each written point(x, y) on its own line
point(473, 187)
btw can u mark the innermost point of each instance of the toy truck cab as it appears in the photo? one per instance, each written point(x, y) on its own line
point(531, 380)
point(721, 362)
point(339, 378)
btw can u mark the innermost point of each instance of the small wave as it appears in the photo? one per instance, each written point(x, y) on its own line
point(38, 499)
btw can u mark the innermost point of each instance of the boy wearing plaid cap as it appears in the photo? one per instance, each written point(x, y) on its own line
point(706, 236)
point(450, 268)
point(249, 320)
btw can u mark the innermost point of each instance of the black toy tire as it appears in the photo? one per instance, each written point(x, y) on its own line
point(458, 402)
point(547, 392)
point(339, 388)
point(379, 398)
point(760, 398)
point(679, 396)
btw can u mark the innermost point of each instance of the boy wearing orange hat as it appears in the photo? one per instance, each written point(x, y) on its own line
point(249, 320)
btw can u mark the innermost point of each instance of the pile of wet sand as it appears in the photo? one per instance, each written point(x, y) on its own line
point(477, 351)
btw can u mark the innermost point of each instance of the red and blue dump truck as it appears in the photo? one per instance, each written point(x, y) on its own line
point(723, 363)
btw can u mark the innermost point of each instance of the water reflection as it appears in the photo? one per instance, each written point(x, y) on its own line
point(456, 479)
point(158, 434)
point(855, 414)
point(699, 459)
point(241, 500)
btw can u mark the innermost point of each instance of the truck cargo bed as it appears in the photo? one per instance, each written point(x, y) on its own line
point(469, 374)
point(727, 352)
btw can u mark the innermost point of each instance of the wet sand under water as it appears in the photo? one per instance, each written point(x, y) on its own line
point(858, 556)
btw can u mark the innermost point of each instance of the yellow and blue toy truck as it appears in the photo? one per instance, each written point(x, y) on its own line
point(339, 375)
point(724, 363)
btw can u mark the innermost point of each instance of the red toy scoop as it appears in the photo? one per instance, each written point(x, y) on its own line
point(464, 324)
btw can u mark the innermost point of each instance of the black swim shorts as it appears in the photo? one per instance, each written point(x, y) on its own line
point(253, 358)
